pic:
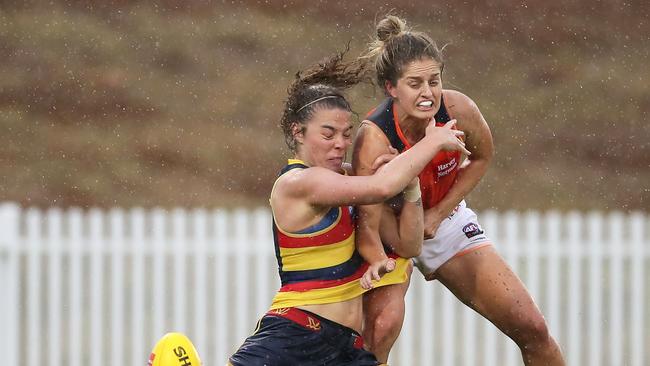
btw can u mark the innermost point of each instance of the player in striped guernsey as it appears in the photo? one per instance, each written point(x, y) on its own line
point(315, 318)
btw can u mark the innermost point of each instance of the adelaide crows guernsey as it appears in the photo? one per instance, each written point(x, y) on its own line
point(438, 176)
point(320, 264)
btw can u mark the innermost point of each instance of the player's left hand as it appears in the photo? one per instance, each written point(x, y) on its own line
point(375, 271)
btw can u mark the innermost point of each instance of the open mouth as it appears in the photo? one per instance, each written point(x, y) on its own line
point(425, 104)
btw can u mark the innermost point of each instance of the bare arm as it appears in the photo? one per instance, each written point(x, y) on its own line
point(478, 140)
point(319, 186)
point(403, 235)
point(369, 144)
point(378, 222)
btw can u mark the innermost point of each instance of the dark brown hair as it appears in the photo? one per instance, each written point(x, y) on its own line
point(319, 86)
point(396, 46)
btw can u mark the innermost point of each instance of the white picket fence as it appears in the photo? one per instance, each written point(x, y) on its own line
point(99, 288)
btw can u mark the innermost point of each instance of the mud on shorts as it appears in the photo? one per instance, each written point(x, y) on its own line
point(291, 336)
point(458, 234)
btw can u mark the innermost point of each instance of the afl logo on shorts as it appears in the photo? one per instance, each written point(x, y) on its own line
point(471, 230)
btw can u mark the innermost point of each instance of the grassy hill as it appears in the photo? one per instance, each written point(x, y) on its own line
point(133, 103)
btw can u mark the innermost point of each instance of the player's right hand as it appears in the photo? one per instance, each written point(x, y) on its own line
point(448, 137)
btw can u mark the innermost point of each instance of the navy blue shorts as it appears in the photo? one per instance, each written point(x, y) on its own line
point(294, 337)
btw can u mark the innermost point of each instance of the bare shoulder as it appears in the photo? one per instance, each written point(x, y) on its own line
point(463, 109)
point(292, 209)
point(369, 143)
point(300, 184)
point(470, 120)
point(370, 131)
point(459, 105)
point(297, 180)
point(370, 138)
point(288, 183)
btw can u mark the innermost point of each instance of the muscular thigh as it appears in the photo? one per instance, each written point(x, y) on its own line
point(385, 298)
point(483, 281)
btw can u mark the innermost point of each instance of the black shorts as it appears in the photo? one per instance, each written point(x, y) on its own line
point(294, 337)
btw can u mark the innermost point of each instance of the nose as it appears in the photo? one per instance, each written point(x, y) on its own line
point(340, 142)
point(427, 92)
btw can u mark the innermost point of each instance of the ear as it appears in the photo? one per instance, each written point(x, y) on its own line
point(298, 132)
point(390, 88)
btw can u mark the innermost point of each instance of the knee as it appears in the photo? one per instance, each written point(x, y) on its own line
point(385, 326)
point(391, 321)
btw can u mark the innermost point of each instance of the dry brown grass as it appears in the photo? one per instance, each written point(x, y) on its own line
point(140, 104)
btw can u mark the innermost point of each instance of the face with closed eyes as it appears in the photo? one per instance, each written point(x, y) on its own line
point(418, 90)
point(325, 138)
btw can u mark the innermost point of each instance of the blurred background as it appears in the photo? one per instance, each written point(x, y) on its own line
point(177, 103)
point(139, 141)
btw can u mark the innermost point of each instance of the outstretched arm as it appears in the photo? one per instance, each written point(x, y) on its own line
point(320, 186)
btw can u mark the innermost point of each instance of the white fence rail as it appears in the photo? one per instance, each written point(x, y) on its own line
point(99, 288)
